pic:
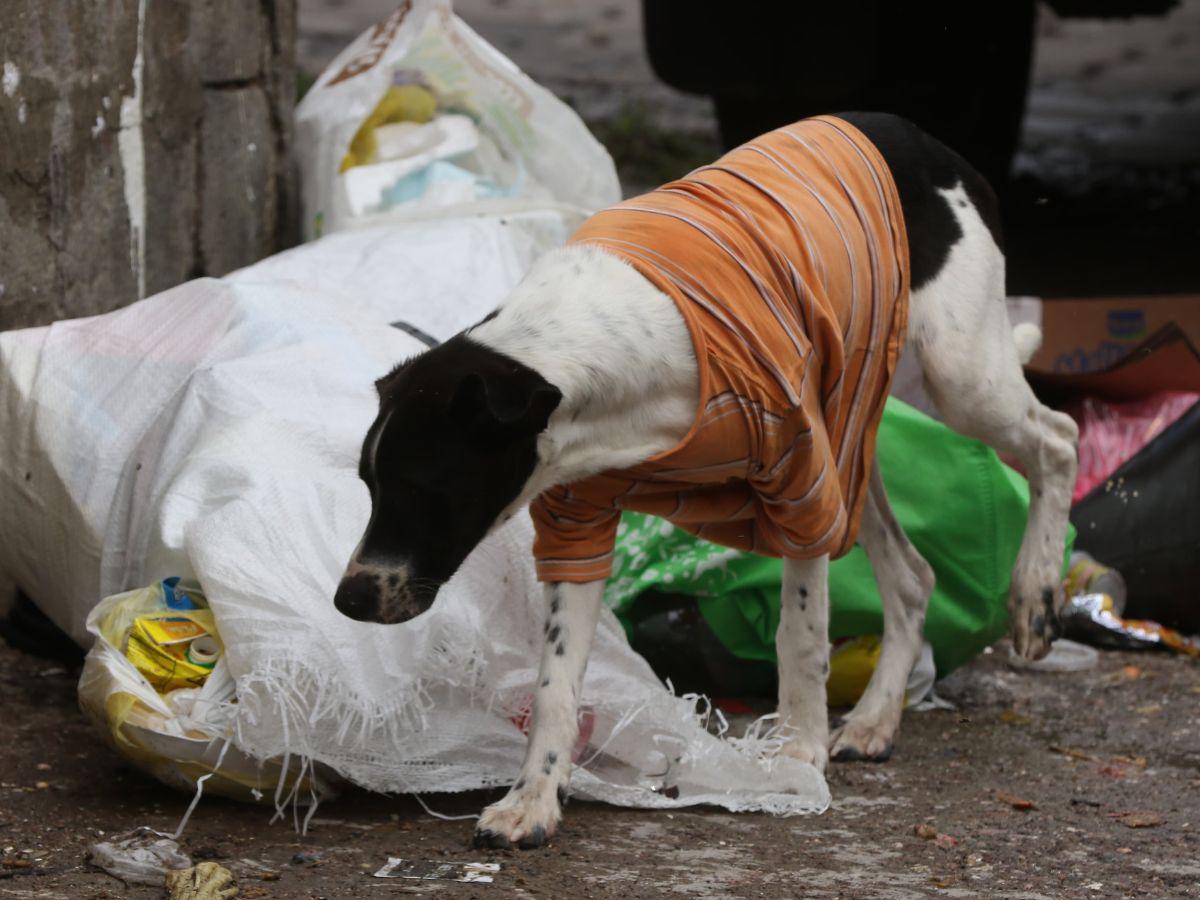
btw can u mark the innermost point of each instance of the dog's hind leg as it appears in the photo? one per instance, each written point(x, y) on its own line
point(905, 582)
point(959, 329)
point(802, 648)
point(528, 815)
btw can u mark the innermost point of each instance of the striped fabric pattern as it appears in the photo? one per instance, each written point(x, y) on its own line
point(789, 262)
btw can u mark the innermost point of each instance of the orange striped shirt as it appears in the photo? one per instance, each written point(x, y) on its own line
point(789, 262)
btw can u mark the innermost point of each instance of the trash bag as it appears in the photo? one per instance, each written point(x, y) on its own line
point(181, 728)
point(420, 117)
point(1144, 521)
point(962, 508)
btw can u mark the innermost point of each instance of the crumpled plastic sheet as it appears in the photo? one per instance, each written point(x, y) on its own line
point(141, 856)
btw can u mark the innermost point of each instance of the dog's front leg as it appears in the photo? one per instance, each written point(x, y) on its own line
point(802, 646)
point(531, 810)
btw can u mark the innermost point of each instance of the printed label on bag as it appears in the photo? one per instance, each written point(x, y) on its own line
point(381, 37)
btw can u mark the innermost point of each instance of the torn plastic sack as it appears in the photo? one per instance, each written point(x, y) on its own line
point(419, 117)
point(169, 715)
point(213, 431)
point(961, 507)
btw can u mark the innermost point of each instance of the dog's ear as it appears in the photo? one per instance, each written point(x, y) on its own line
point(520, 400)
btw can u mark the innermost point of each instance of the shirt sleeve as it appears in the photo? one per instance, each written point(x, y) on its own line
point(574, 538)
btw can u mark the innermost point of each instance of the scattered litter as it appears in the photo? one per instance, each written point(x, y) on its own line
point(1014, 801)
point(307, 856)
point(925, 832)
point(1095, 618)
point(141, 856)
point(1139, 761)
point(1138, 819)
point(430, 870)
point(207, 881)
point(358, 826)
point(1064, 656)
point(945, 842)
point(1074, 754)
point(1012, 717)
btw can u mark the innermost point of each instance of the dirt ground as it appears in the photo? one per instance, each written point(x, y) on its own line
point(1095, 753)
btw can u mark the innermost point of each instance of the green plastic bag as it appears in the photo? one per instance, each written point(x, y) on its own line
point(963, 509)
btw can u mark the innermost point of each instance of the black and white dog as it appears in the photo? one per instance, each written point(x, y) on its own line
point(545, 391)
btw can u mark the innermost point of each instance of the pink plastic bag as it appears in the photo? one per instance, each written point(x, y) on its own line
point(1110, 433)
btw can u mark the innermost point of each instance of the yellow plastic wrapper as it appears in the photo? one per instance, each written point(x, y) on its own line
point(158, 646)
point(171, 716)
point(401, 103)
point(851, 663)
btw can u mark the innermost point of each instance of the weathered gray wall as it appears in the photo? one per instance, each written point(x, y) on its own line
point(142, 143)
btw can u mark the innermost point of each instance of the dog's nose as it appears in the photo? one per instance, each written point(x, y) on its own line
point(357, 597)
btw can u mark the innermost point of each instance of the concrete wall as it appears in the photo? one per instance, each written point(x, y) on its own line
point(142, 143)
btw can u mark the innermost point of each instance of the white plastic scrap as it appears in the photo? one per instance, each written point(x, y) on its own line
point(141, 856)
point(428, 870)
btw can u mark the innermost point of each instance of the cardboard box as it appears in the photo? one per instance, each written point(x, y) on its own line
point(1084, 335)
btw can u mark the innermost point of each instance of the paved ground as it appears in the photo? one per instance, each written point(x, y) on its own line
point(1094, 753)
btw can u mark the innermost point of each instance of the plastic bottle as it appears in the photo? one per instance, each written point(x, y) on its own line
point(1087, 576)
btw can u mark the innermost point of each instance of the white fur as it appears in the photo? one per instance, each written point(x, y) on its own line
point(571, 614)
point(620, 352)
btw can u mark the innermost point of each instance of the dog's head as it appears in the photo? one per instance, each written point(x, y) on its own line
point(452, 448)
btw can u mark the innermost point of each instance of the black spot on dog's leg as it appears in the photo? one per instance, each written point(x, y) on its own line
point(553, 633)
point(545, 682)
point(535, 838)
point(560, 650)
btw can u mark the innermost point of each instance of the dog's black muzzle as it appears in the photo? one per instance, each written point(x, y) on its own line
point(385, 598)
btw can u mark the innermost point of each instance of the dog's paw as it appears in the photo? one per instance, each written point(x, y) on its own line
point(860, 739)
point(1034, 618)
point(808, 750)
point(524, 819)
